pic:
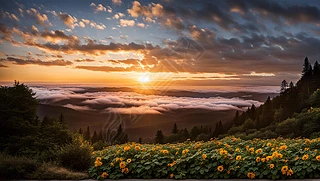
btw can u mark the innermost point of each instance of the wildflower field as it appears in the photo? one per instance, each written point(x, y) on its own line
point(226, 158)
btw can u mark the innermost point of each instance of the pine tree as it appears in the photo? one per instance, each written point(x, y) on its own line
point(267, 113)
point(159, 137)
point(140, 140)
point(307, 68)
point(316, 68)
point(94, 137)
point(291, 85)
point(284, 86)
point(175, 129)
point(87, 134)
point(80, 131)
point(253, 112)
point(236, 120)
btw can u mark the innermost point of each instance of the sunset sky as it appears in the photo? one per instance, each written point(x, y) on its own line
point(178, 42)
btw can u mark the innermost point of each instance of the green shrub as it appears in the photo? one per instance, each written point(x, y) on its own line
point(16, 167)
point(76, 156)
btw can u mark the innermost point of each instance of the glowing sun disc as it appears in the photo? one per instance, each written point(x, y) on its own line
point(144, 79)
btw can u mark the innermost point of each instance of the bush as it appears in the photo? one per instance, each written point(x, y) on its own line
point(50, 171)
point(226, 158)
point(76, 156)
point(16, 167)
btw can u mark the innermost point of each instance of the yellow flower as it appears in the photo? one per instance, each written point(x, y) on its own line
point(204, 156)
point(171, 175)
point(268, 158)
point(122, 164)
point(143, 149)
point(284, 170)
point(104, 175)
point(269, 144)
point(137, 147)
point(112, 164)
point(98, 159)
point(97, 163)
point(220, 168)
point(238, 158)
point(305, 157)
point(258, 159)
point(290, 172)
point(125, 170)
point(318, 158)
point(165, 151)
point(258, 150)
point(126, 148)
point(237, 150)
point(185, 151)
point(129, 160)
point(223, 152)
point(263, 159)
point(283, 147)
point(251, 150)
point(296, 158)
point(271, 166)
point(251, 175)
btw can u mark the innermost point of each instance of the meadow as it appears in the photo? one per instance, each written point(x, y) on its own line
point(229, 157)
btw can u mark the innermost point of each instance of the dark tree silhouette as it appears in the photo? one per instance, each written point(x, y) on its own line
point(284, 86)
point(159, 137)
point(175, 129)
point(87, 134)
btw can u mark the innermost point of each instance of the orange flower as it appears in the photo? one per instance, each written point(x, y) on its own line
point(220, 168)
point(104, 175)
point(251, 175)
point(318, 158)
point(238, 158)
point(305, 157)
point(204, 156)
point(258, 159)
point(171, 175)
point(125, 170)
point(122, 164)
point(284, 170)
point(290, 172)
point(271, 166)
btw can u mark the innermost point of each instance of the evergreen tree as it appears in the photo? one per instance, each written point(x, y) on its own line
point(284, 86)
point(307, 68)
point(236, 120)
point(291, 85)
point(195, 131)
point(316, 68)
point(253, 112)
point(159, 137)
point(140, 140)
point(87, 134)
point(94, 137)
point(80, 131)
point(267, 113)
point(175, 129)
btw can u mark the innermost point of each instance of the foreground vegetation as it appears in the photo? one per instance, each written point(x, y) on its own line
point(226, 158)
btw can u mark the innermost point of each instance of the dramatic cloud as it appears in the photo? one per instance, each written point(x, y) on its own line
point(68, 20)
point(136, 103)
point(19, 61)
point(40, 18)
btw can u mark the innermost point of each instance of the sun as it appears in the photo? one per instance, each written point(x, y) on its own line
point(144, 79)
